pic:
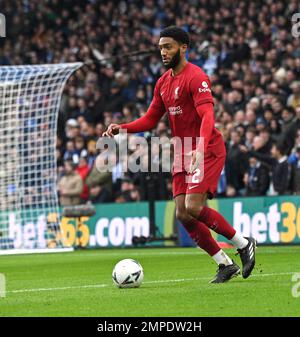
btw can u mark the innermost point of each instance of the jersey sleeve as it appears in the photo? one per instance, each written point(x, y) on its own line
point(206, 111)
point(200, 89)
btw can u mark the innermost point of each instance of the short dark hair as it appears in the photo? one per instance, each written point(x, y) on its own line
point(176, 33)
point(280, 147)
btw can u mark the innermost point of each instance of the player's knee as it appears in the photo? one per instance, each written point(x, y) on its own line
point(182, 216)
point(193, 209)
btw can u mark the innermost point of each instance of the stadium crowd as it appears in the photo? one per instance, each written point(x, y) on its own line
point(246, 47)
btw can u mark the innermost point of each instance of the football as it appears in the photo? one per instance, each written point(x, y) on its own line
point(128, 273)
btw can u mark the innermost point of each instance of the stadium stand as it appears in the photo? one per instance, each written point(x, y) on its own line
point(247, 49)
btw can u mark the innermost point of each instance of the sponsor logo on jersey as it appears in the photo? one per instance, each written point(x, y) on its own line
point(205, 87)
point(175, 110)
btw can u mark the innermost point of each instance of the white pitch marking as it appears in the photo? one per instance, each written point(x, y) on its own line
point(59, 288)
point(197, 251)
point(147, 282)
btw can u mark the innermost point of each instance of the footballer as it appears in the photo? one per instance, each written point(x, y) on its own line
point(184, 92)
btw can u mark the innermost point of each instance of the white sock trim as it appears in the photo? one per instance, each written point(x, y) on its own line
point(222, 258)
point(239, 241)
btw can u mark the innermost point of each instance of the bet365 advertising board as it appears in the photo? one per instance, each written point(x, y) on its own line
point(271, 220)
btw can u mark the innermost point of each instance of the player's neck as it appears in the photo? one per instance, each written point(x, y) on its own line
point(179, 67)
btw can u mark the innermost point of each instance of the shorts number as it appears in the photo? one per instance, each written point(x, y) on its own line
point(195, 176)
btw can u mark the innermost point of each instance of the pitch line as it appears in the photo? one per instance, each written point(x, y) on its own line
point(146, 282)
point(197, 251)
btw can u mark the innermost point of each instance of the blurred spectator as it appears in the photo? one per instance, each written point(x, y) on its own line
point(162, 129)
point(71, 152)
point(82, 111)
point(249, 137)
point(267, 140)
point(95, 176)
point(126, 188)
point(288, 120)
point(135, 195)
point(261, 123)
point(79, 146)
point(116, 99)
point(100, 128)
point(294, 98)
point(70, 186)
point(83, 170)
point(92, 152)
point(295, 127)
point(72, 129)
point(88, 131)
point(295, 174)
point(99, 194)
point(119, 198)
point(236, 163)
point(257, 178)
point(280, 168)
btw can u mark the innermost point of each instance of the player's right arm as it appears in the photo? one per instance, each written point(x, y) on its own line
point(145, 123)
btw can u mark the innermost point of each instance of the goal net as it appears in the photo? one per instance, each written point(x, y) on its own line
point(29, 104)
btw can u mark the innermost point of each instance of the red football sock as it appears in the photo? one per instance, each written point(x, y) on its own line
point(216, 222)
point(199, 232)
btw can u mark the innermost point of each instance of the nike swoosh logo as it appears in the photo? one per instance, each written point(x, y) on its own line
point(192, 187)
point(161, 93)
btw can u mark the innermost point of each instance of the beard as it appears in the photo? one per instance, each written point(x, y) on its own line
point(174, 61)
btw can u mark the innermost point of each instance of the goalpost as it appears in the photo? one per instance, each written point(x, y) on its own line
point(30, 98)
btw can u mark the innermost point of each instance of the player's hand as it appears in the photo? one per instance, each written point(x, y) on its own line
point(196, 159)
point(112, 130)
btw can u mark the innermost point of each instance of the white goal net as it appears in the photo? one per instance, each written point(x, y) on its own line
point(29, 104)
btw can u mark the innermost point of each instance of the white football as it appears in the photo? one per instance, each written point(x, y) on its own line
point(128, 273)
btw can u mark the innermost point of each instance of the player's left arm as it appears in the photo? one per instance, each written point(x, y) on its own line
point(206, 110)
point(200, 89)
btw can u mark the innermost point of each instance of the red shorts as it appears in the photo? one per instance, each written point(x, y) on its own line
point(201, 182)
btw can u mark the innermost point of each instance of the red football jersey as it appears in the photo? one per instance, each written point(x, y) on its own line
point(179, 96)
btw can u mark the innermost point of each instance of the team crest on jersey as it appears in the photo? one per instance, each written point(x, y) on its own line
point(176, 96)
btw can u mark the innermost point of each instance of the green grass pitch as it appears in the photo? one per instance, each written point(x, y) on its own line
point(175, 284)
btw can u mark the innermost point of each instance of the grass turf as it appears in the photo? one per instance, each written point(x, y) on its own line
point(175, 284)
